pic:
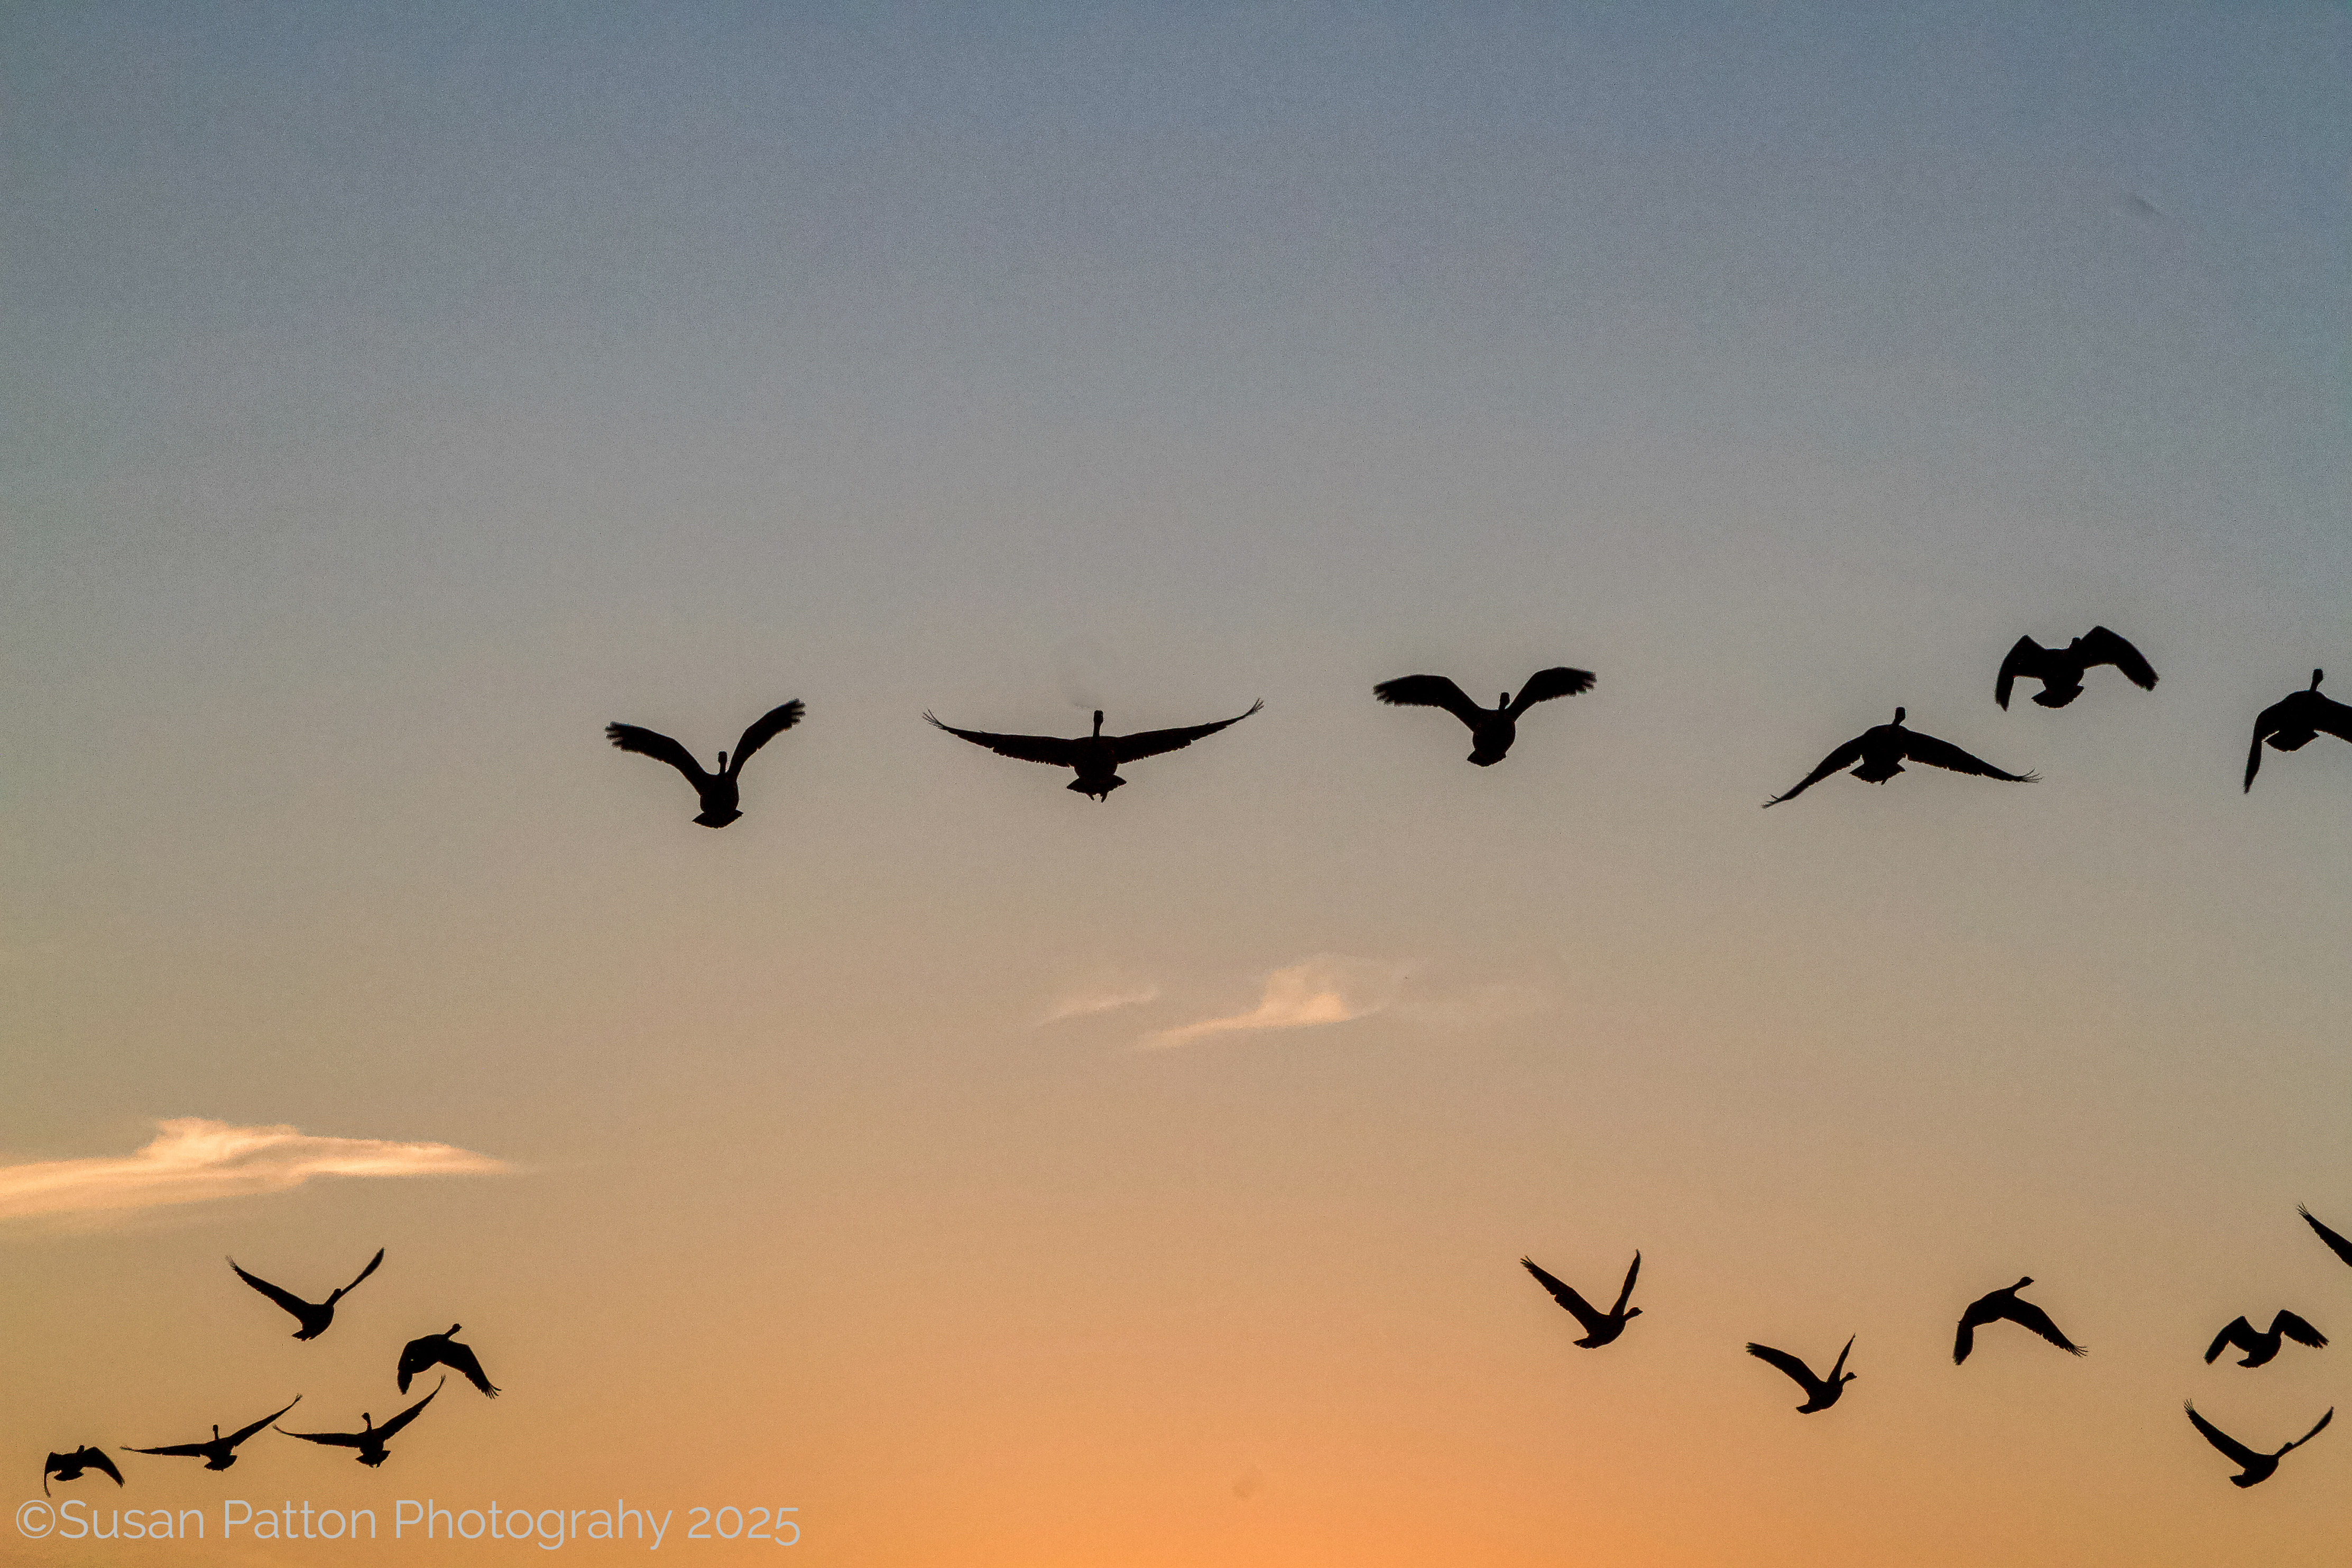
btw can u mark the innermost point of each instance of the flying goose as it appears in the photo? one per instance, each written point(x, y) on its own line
point(1492, 730)
point(2336, 1244)
point(2059, 669)
point(1599, 1328)
point(69, 1467)
point(221, 1452)
point(719, 790)
point(2261, 1347)
point(1999, 1304)
point(1095, 757)
point(419, 1355)
point(2257, 1467)
point(1881, 750)
point(2291, 722)
point(371, 1438)
point(1820, 1392)
point(314, 1319)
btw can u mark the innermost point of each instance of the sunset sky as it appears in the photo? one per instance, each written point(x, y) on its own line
point(397, 393)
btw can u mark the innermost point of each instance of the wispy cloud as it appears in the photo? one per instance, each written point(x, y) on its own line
point(1103, 995)
point(1329, 988)
point(191, 1159)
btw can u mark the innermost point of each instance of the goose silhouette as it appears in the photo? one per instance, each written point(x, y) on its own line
point(221, 1452)
point(69, 1467)
point(441, 1350)
point(1095, 757)
point(1997, 1305)
point(718, 792)
point(1820, 1392)
point(2293, 721)
point(1492, 730)
point(1599, 1328)
point(2257, 1467)
point(371, 1438)
point(2262, 1345)
point(313, 1317)
point(2059, 669)
point(1882, 751)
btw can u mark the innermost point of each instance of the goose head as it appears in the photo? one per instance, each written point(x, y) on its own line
point(1097, 723)
point(1898, 715)
point(2316, 677)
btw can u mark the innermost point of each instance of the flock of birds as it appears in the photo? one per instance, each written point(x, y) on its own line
point(2001, 1306)
point(1874, 756)
point(219, 1452)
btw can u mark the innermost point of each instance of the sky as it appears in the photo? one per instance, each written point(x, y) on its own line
point(399, 393)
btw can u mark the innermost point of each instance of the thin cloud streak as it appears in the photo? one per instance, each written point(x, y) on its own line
point(193, 1160)
point(1329, 988)
point(1103, 996)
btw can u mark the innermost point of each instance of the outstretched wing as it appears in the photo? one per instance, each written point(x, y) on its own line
point(2240, 1333)
point(764, 729)
point(192, 1450)
point(1565, 1294)
point(286, 1299)
point(363, 1273)
point(460, 1358)
point(242, 1432)
point(2298, 1443)
point(2336, 1244)
point(2025, 1314)
point(405, 1416)
point(1627, 1293)
point(2239, 1454)
point(2104, 646)
point(660, 747)
point(1546, 684)
point(1938, 754)
point(335, 1439)
point(1786, 1363)
point(2300, 1332)
point(1844, 757)
point(1431, 692)
point(98, 1461)
point(1151, 743)
point(1052, 750)
point(1966, 1341)
point(2024, 658)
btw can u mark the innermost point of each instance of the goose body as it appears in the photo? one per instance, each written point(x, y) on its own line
point(1820, 1392)
point(441, 1350)
point(221, 1452)
point(2255, 1468)
point(314, 1317)
point(2262, 1345)
point(1097, 757)
point(1878, 753)
point(720, 794)
point(2059, 669)
point(371, 1438)
point(1492, 730)
point(1599, 1328)
point(2294, 722)
point(1999, 1305)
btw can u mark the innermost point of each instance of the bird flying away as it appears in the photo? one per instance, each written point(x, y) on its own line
point(2293, 721)
point(1882, 751)
point(1097, 757)
point(441, 1350)
point(221, 1452)
point(717, 791)
point(1492, 730)
point(1999, 1304)
point(371, 1438)
point(69, 1467)
point(314, 1319)
point(1599, 1328)
point(2059, 669)
point(2257, 1467)
point(1820, 1392)
point(2260, 1346)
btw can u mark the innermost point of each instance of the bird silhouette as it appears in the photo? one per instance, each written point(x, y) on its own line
point(1882, 749)
point(441, 1350)
point(719, 790)
point(69, 1467)
point(314, 1317)
point(370, 1440)
point(1095, 757)
point(1820, 1392)
point(2336, 1244)
point(221, 1452)
point(1599, 1328)
point(1492, 730)
point(2262, 1346)
point(2257, 1467)
point(1999, 1304)
point(2059, 669)
point(2293, 721)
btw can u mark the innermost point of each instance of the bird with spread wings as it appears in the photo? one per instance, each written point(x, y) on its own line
point(2059, 669)
point(1095, 757)
point(719, 794)
point(221, 1452)
point(1882, 750)
point(1492, 730)
point(1599, 1328)
point(314, 1317)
